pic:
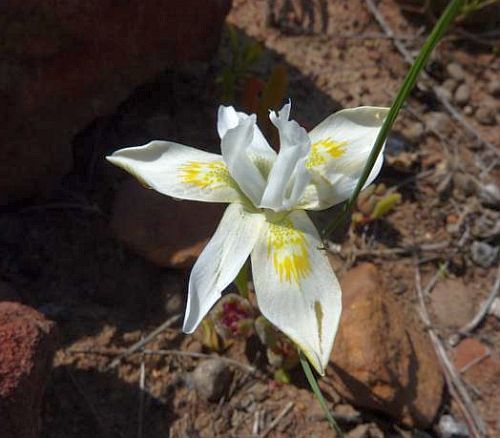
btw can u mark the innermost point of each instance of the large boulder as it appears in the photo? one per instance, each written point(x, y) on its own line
point(168, 232)
point(65, 62)
point(380, 361)
point(27, 346)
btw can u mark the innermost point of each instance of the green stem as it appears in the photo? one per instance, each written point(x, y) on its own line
point(317, 392)
point(440, 28)
point(241, 281)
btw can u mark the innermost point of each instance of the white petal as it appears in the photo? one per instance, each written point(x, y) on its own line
point(295, 285)
point(235, 147)
point(289, 176)
point(228, 118)
point(220, 261)
point(340, 148)
point(179, 171)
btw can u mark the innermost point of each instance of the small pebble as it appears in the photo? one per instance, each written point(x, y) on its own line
point(450, 428)
point(465, 183)
point(468, 110)
point(462, 94)
point(485, 116)
point(494, 88)
point(455, 71)
point(450, 85)
point(439, 122)
point(211, 379)
point(444, 92)
point(490, 195)
point(415, 132)
point(483, 254)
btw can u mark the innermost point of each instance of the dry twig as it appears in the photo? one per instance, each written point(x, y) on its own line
point(455, 385)
point(402, 250)
point(483, 311)
point(276, 421)
point(142, 381)
point(138, 345)
point(125, 353)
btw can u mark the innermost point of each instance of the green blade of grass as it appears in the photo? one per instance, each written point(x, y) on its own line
point(317, 392)
point(453, 8)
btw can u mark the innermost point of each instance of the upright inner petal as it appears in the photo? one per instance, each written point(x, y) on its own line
point(288, 176)
point(235, 147)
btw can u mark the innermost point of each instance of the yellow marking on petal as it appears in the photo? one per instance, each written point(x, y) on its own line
point(213, 174)
point(323, 150)
point(287, 247)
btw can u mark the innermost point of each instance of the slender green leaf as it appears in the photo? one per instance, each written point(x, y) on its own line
point(241, 281)
point(317, 392)
point(442, 24)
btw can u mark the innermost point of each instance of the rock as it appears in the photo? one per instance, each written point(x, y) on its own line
point(494, 87)
point(468, 110)
point(451, 303)
point(211, 379)
point(444, 92)
point(450, 428)
point(486, 116)
point(462, 94)
point(482, 372)
point(65, 63)
point(456, 72)
point(165, 231)
point(468, 351)
point(465, 183)
point(438, 122)
point(27, 346)
point(483, 254)
point(379, 361)
point(415, 132)
point(450, 85)
point(489, 194)
point(399, 153)
point(366, 430)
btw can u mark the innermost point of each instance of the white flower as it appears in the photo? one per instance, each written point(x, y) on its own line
point(295, 285)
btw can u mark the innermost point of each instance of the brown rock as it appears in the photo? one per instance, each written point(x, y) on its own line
point(66, 62)
point(482, 371)
point(380, 362)
point(165, 231)
point(486, 115)
point(462, 94)
point(455, 71)
point(467, 352)
point(438, 122)
point(27, 346)
point(451, 303)
point(211, 379)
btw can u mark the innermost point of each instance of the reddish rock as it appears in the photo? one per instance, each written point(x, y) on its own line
point(66, 62)
point(27, 346)
point(468, 352)
point(167, 232)
point(379, 361)
point(480, 367)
